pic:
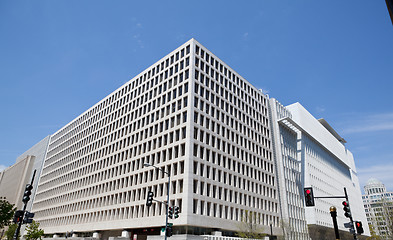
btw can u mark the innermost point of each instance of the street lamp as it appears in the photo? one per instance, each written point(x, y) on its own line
point(167, 194)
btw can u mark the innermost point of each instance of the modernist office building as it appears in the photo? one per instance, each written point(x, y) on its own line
point(378, 204)
point(310, 153)
point(289, 173)
point(230, 151)
point(189, 115)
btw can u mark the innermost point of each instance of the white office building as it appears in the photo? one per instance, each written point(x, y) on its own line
point(190, 115)
point(289, 173)
point(310, 153)
point(378, 204)
point(231, 153)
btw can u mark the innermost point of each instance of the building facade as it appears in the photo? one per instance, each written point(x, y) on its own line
point(232, 155)
point(289, 173)
point(378, 204)
point(13, 179)
point(189, 115)
point(310, 153)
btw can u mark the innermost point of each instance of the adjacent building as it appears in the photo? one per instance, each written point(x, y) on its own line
point(13, 179)
point(378, 204)
point(290, 172)
point(310, 153)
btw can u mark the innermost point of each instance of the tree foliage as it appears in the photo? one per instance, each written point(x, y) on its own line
point(289, 231)
point(248, 227)
point(388, 208)
point(7, 211)
point(374, 235)
point(11, 231)
point(33, 231)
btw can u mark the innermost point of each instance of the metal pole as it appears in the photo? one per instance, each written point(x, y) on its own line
point(350, 217)
point(17, 231)
point(333, 213)
point(271, 229)
point(167, 205)
point(167, 195)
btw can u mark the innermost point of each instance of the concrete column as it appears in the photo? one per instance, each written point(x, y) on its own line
point(125, 234)
point(96, 235)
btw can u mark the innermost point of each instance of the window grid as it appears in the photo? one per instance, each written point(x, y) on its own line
point(88, 164)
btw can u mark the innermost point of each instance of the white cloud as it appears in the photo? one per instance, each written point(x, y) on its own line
point(263, 90)
point(380, 172)
point(137, 38)
point(371, 123)
point(320, 109)
point(181, 37)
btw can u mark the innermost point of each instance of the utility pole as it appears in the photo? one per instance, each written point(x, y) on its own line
point(350, 215)
point(309, 200)
point(167, 196)
point(26, 199)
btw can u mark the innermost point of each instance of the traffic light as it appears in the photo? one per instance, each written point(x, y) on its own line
point(309, 197)
point(26, 195)
point(170, 212)
point(359, 227)
point(18, 216)
point(347, 210)
point(177, 209)
point(149, 200)
point(28, 217)
point(169, 230)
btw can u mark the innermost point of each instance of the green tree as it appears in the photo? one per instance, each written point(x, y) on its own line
point(373, 236)
point(33, 231)
point(11, 231)
point(7, 211)
point(388, 216)
point(248, 227)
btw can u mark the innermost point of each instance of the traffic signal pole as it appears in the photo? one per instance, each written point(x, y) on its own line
point(350, 216)
point(346, 205)
point(167, 206)
point(167, 195)
point(17, 231)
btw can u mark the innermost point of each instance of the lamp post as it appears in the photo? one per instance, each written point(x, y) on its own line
point(333, 213)
point(167, 195)
point(271, 231)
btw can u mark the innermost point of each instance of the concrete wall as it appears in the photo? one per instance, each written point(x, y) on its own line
point(328, 167)
point(14, 179)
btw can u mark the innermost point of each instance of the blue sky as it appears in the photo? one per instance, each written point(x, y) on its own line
point(58, 58)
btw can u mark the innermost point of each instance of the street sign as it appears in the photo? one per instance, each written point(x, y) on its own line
point(348, 225)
